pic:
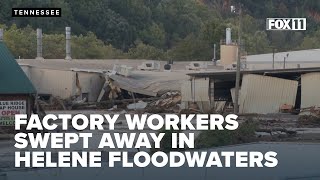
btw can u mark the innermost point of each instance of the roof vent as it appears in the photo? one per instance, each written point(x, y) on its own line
point(1, 35)
point(68, 43)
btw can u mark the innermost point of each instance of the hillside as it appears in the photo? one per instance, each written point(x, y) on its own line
point(157, 29)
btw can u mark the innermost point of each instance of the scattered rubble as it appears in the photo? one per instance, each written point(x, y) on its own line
point(308, 121)
point(138, 105)
point(270, 127)
point(312, 111)
point(113, 108)
point(168, 103)
point(54, 103)
point(169, 100)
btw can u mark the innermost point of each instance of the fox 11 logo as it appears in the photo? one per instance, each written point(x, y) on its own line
point(289, 24)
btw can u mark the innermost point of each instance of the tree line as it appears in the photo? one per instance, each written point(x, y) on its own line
point(156, 29)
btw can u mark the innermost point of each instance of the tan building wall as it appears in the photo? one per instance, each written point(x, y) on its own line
point(228, 54)
point(66, 83)
point(195, 90)
point(56, 82)
point(265, 94)
point(310, 88)
point(91, 84)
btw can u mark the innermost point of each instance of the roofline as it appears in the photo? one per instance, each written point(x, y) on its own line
point(316, 49)
point(6, 94)
point(260, 71)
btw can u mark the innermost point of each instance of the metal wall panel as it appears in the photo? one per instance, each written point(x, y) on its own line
point(56, 82)
point(310, 88)
point(196, 90)
point(201, 89)
point(186, 92)
point(264, 94)
point(63, 83)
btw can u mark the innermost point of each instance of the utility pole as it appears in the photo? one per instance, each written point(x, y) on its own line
point(273, 58)
point(214, 55)
point(238, 74)
point(1, 34)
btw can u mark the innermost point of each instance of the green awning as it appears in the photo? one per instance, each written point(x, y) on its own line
point(12, 78)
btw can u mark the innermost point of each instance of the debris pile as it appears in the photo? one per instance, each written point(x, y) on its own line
point(54, 103)
point(308, 121)
point(169, 100)
point(313, 111)
point(168, 103)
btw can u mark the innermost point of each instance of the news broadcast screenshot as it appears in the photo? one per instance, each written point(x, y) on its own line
point(159, 90)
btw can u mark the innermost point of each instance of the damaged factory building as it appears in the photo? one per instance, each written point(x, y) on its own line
point(265, 88)
point(262, 91)
point(268, 85)
point(70, 82)
point(65, 83)
point(93, 86)
point(61, 80)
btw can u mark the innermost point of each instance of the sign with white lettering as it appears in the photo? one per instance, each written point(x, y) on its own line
point(292, 24)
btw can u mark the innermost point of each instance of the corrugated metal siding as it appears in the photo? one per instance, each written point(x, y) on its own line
point(201, 89)
point(55, 82)
point(186, 93)
point(264, 94)
point(195, 90)
point(310, 88)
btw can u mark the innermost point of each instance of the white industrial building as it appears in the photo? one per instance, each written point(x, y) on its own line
point(262, 91)
point(284, 60)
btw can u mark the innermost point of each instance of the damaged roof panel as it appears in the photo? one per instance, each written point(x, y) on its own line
point(150, 83)
point(131, 85)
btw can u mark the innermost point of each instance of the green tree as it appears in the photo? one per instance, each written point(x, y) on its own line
point(179, 18)
point(109, 26)
point(54, 46)
point(21, 42)
point(311, 41)
point(89, 46)
point(258, 43)
point(191, 48)
point(213, 31)
point(143, 51)
point(154, 35)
